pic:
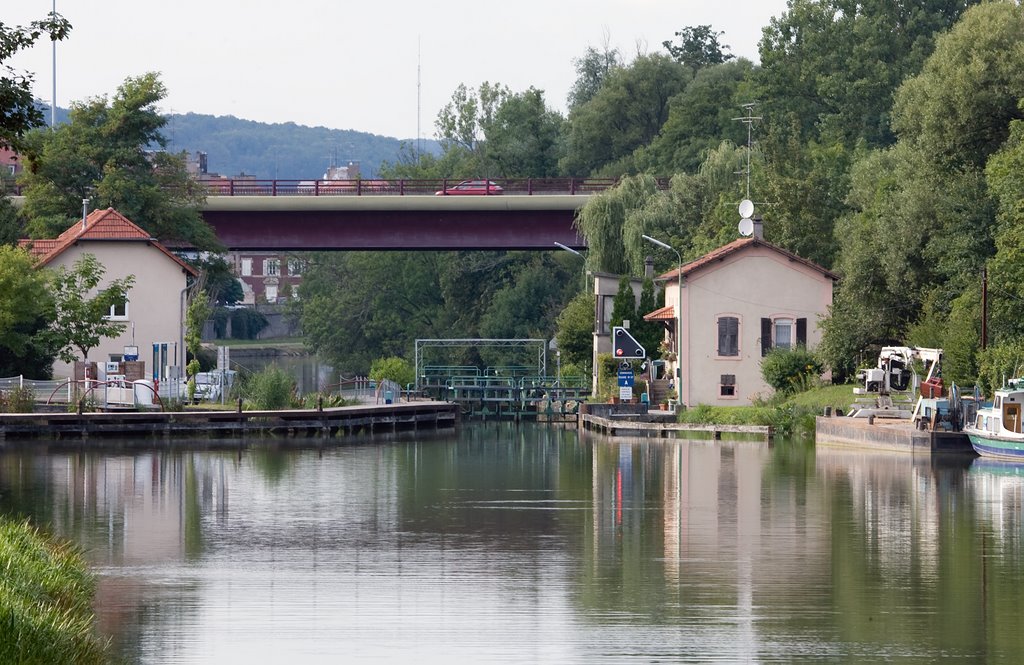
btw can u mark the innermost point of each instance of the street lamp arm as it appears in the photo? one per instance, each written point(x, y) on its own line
point(568, 249)
point(656, 242)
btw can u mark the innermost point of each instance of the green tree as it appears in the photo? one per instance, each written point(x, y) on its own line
point(624, 303)
point(524, 137)
point(394, 369)
point(626, 113)
point(648, 333)
point(80, 311)
point(592, 69)
point(19, 110)
point(698, 47)
point(24, 348)
point(575, 333)
point(106, 153)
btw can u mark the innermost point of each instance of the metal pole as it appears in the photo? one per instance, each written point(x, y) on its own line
point(53, 106)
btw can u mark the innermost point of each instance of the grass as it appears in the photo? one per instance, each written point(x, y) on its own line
point(786, 415)
point(46, 594)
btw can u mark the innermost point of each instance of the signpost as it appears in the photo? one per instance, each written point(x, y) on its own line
point(626, 380)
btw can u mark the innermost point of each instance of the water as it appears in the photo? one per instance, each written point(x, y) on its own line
point(508, 545)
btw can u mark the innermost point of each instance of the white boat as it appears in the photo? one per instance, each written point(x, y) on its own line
point(996, 430)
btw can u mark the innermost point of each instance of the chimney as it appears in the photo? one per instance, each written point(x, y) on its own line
point(648, 267)
point(758, 227)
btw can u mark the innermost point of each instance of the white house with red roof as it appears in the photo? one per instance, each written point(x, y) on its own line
point(154, 313)
point(738, 302)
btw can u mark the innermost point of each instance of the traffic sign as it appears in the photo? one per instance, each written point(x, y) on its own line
point(624, 345)
point(626, 378)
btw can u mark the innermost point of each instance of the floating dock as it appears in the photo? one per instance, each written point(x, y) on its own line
point(337, 421)
point(888, 434)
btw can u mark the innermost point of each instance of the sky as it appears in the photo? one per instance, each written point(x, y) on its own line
point(381, 67)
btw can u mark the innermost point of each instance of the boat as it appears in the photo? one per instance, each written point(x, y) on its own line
point(996, 431)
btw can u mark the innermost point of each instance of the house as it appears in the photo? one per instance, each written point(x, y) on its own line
point(267, 277)
point(154, 312)
point(738, 302)
point(606, 287)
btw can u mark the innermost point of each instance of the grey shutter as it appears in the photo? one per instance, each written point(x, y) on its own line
point(801, 332)
point(766, 336)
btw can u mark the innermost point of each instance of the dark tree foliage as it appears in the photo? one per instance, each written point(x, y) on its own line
point(698, 47)
point(19, 111)
point(592, 68)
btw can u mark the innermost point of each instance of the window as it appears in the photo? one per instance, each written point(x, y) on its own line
point(118, 311)
point(294, 267)
point(246, 267)
point(273, 266)
point(727, 385)
point(782, 333)
point(728, 336)
point(271, 293)
point(607, 305)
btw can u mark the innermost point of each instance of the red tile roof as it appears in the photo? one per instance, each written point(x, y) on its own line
point(100, 225)
point(736, 246)
point(667, 313)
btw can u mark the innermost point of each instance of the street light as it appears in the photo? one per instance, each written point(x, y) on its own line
point(573, 251)
point(679, 316)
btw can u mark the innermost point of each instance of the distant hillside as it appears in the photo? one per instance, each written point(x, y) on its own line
point(283, 150)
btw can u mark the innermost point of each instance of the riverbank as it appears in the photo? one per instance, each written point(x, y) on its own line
point(46, 594)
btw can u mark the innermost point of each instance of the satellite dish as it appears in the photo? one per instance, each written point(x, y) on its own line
point(746, 227)
point(746, 208)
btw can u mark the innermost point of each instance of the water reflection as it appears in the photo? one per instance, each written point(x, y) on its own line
point(513, 544)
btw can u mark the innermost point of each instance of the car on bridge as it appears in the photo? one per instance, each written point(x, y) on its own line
point(471, 188)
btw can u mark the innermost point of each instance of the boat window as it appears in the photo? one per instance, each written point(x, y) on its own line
point(998, 402)
point(1011, 417)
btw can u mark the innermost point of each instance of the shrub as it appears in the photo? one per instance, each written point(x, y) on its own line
point(394, 369)
point(17, 400)
point(270, 389)
point(789, 371)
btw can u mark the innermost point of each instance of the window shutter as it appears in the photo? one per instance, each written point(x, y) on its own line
point(766, 336)
point(801, 332)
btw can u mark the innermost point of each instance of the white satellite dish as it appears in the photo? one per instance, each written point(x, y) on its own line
point(746, 227)
point(746, 208)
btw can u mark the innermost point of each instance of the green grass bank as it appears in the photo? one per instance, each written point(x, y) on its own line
point(786, 415)
point(46, 593)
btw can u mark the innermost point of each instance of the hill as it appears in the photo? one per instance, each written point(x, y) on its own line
point(281, 150)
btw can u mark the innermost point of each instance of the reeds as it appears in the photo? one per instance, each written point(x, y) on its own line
point(46, 593)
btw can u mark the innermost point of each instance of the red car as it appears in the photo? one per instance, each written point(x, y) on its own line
point(471, 188)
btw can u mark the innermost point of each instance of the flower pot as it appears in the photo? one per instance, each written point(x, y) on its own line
point(663, 406)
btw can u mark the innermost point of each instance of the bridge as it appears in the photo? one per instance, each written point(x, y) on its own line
point(527, 214)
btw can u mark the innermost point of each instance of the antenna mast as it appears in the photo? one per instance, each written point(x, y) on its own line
point(749, 119)
point(419, 146)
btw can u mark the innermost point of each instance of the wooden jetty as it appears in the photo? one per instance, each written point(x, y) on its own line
point(654, 425)
point(337, 421)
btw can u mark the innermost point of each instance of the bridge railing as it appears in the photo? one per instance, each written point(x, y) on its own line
point(407, 187)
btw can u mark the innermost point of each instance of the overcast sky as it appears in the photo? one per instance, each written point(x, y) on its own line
point(353, 65)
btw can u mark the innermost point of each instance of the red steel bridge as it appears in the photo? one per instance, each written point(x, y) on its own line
point(370, 214)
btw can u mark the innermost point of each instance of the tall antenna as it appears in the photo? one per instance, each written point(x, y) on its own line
point(749, 119)
point(53, 106)
point(419, 146)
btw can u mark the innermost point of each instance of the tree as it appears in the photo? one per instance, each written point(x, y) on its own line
point(80, 319)
point(105, 153)
point(698, 47)
point(626, 113)
point(23, 316)
point(624, 303)
point(524, 138)
point(648, 333)
point(592, 69)
point(394, 369)
point(19, 111)
point(575, 333)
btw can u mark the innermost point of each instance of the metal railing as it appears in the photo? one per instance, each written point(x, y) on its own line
point(409, 187)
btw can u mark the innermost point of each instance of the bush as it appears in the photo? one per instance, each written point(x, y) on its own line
point(394, 369)
point(790, 371)
point(270, 389)
point(17, 400)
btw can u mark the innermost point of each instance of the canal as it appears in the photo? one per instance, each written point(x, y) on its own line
point(531, 543)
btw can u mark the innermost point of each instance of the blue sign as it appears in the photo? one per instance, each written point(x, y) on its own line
point(626, 378)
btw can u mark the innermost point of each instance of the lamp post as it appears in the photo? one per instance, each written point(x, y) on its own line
point(679, 315)
point(573, 251)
